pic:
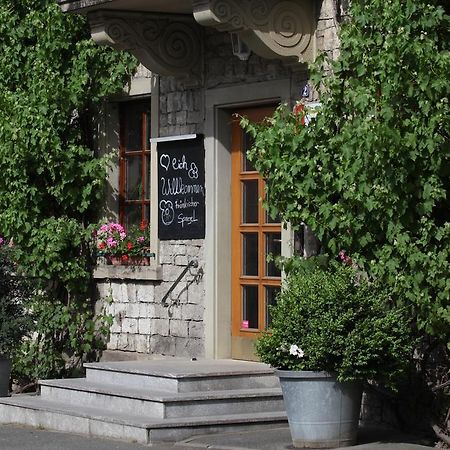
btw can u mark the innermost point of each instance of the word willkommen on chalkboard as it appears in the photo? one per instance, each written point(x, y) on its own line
point(181, 188)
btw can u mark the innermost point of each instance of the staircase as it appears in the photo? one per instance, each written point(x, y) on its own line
point(154, 401)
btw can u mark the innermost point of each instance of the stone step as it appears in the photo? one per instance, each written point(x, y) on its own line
point(183, 376)
point(37, 412)
point(161, 404)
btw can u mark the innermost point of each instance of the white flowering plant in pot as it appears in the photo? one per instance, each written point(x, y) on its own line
point(332, 319)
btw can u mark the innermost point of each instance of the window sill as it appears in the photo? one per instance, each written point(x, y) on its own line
point(152, 272)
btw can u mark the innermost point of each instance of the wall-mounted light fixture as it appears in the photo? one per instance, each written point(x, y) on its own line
point(240, 49)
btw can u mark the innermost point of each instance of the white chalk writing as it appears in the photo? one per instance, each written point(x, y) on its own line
point(176, 186)
point(187, 220)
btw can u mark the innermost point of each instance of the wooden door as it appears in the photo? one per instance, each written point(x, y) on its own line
point(255, 280)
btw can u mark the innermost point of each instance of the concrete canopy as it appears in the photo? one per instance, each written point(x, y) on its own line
point(166, 37)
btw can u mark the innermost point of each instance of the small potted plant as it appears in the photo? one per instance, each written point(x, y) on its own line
point(14, 322)
point(332, 330)
point(123, 247)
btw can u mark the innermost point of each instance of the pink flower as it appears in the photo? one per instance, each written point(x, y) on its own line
point(110, 242)
point(123, 235)
point(104, 228)
point(141, 239)
point(116, 227)
point(345, 258)
point(2, 241)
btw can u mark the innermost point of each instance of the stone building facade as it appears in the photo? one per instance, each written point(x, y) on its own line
point(198, 93)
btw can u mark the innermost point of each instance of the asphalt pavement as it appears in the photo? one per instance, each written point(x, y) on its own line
point(14, 437)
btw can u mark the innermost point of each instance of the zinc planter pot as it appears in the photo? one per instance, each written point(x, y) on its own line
point(322, 412)
point(5, 373)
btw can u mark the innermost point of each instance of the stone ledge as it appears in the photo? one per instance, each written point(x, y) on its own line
point(150, 273)
point(76, 6)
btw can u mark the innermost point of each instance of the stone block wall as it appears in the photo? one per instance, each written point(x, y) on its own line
point(142, 323)
point(331, 13)
point(180, 107)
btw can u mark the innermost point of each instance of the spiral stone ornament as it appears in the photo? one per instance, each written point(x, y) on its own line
point(289, 29)
point(165, 44)
point(117, 31)
point(282, 29)
point(178, 46)
point(259, 11)
point(229, 12)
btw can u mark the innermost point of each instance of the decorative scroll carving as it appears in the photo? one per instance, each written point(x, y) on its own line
point(167, 45)
point(271, 28)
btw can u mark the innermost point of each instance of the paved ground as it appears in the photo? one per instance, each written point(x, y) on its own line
point(280, 439)
point(21, 438)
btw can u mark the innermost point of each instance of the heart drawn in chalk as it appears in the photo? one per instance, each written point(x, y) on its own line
point(164, 161)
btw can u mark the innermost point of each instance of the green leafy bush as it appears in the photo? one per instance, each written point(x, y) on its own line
point(371, 173)
point(53, 81)
point(64, 337)
point(331, 320)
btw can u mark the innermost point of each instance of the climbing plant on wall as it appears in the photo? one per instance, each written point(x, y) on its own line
point(371, 173)
point(53, 78)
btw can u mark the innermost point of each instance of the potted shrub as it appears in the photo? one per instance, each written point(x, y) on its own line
point(14, 322)
point(123, 247)
point(332, 330)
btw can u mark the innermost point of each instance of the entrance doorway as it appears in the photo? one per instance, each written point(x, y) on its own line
point(255, 279)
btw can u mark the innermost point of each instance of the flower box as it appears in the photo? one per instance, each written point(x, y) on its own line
point(128, 260)
point(120, 247)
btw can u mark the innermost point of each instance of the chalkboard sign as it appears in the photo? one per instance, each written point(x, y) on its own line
point(181, 188)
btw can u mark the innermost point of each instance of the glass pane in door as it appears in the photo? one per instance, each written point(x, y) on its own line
point(250, 254)
point(268, 217)
point(273, 248)
point(250, 307)
point(248, 143)
point(250, 201)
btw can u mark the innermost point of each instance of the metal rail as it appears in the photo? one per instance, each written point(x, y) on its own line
point(192, 263)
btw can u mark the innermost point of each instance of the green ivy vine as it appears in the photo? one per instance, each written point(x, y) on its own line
point(371, 174)
point(53, 79)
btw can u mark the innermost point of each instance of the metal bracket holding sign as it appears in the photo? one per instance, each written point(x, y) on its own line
point(181, 187)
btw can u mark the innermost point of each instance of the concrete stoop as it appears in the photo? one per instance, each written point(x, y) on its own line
point(154, 401)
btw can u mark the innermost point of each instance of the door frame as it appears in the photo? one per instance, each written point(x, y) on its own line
point(219, 105)
point(242, 341)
